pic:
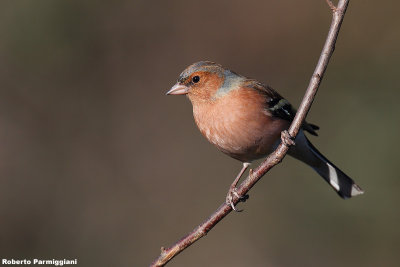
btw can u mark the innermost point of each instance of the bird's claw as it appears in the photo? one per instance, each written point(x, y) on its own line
point(287, 139)
point(229, 198)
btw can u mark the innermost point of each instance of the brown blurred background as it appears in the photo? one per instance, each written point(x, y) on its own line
point(96, 163)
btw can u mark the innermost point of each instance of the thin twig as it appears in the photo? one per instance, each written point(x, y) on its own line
point(331, 5)
point(275, 157)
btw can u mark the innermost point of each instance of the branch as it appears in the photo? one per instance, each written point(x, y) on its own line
point(275, 157)
point(331, 5)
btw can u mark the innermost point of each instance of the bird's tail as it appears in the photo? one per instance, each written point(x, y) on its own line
point(340, 182)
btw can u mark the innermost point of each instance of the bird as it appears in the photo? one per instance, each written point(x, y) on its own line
point(244, 119)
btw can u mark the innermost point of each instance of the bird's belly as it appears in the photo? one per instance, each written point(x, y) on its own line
point(245, 136)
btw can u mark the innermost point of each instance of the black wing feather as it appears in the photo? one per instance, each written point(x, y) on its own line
point(279, 106)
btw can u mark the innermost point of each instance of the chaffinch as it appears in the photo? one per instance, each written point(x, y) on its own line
point(244, 119)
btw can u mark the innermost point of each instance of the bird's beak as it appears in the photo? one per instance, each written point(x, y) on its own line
point(178, 89)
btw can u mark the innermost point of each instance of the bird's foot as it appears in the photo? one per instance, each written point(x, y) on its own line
point(233, 193)
point(229, 198)
point(287, 139)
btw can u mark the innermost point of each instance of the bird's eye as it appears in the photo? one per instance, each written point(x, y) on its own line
point(196, 79)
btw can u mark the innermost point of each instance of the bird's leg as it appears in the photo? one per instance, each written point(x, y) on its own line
point(232, 188)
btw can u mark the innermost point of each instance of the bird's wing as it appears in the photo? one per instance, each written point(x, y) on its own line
point(279, 106)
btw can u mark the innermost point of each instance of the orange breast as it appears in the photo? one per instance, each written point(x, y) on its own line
point(238, 124)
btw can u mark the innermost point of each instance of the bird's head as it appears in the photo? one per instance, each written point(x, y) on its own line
point(205, 81)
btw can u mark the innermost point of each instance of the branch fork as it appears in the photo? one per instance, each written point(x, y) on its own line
point(331, 5)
